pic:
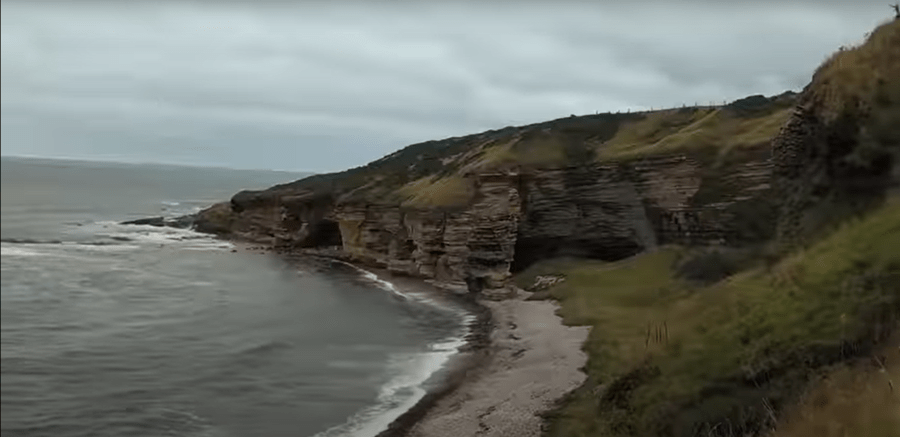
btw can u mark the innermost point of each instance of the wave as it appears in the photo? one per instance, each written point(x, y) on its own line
point(263, 348)
point(114, 237)
point(59, 249)
point(155, 235)
point(402, 392)
point(28, 241)
point(411, 371)
point(381, 283)
point(6, 251)
point(63, 243)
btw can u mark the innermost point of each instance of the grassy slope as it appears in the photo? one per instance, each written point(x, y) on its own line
point(706, 131)
point(858, 400)
point(862, 77)
point(857, 78)
point(668, 358)
point(676, 131)
point(428, 174)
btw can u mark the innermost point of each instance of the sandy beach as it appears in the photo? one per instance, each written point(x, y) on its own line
point(533, 361)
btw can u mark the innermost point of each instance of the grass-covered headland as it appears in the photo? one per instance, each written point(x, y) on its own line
point(721, 342)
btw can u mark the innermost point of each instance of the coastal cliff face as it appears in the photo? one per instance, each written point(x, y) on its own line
point(463, 249)
point(838, 153)
point(600, 210)
point(466, 212)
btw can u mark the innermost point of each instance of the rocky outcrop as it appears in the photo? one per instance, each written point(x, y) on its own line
point(581, 211)
point(468, 249)
point(606, 211)
point(465, 212)
point(517, 217)
point(838, 153)
point(828, 168)
point(181, 222)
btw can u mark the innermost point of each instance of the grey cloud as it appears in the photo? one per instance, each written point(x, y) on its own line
point(324, 87)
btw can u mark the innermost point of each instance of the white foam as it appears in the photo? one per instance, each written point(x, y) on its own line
point(98, 247)
point(411, 371)
point(17, 251)
point(156, 235)
point(450, 345)
point(399, 394)
point(381, 283)
point(62, 249)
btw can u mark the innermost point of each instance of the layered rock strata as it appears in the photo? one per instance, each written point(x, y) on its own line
point(517, 217)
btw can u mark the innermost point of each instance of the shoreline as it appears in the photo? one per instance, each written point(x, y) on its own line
point(468, 361)
point(517, 361)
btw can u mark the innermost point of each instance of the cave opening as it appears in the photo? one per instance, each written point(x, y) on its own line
point(475, 284)
point(529, 251)
point(325, 233)
point(404, 249)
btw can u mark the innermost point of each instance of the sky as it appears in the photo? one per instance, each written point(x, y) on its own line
point(325, 86)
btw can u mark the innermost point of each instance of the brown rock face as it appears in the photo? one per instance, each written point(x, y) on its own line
point(606, 211)
point(816, 177)
point(601, 211)
point(469, 249)
point(590, 211)
point(838, 153)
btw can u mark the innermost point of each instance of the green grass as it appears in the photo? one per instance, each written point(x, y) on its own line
point(674, 131)
point(852, 77)
point(430, 192)
point(861, 399)
point(533, 150)
point(727, 352)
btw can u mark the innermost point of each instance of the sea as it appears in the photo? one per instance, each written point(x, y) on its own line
point(122, 330)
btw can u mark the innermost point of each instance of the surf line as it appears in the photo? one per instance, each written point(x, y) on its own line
point(407, 387)
point(384, 285)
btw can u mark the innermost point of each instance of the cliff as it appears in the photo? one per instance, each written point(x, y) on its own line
point(467, 212)
point(837, 154)
point(795, 346)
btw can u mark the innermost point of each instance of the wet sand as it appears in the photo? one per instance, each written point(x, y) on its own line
point(534, 361)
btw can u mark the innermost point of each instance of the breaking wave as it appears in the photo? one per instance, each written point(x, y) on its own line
point(410, 372)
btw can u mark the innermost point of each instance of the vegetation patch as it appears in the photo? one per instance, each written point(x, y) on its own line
point(708, 265)
point(672, 131)
point(854, 77)
point(667, 357)
point(860, 399)
point(446, 192)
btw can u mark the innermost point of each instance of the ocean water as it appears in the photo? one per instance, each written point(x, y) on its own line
point(113, 330)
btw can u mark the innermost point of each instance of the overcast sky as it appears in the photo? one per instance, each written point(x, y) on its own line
point(320, 87)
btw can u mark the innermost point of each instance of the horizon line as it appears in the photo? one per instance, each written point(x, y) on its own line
point(139, 163)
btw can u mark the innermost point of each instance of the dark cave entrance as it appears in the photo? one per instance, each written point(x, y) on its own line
point(531, 250)
point(324, 233)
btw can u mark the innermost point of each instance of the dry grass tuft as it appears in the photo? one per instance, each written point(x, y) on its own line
point(851, 78)
point(861, 400)
point(678, 131)
point(432, 192)
point(669, 358)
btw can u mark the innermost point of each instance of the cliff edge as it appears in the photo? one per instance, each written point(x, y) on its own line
point(468, 212)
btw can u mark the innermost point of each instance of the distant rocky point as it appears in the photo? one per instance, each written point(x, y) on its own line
point(182, 222)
